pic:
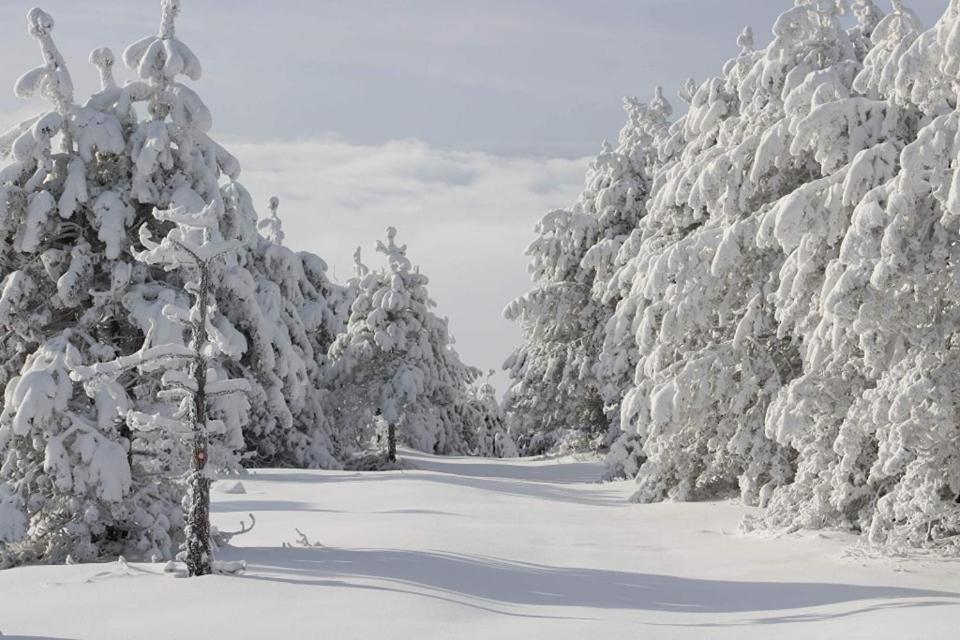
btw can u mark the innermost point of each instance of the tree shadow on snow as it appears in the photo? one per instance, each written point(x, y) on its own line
point(246, 506)
point(468, 579)
point(8, 637)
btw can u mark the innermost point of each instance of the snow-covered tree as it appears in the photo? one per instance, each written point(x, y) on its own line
point(790, 293)
point(396, 364)
point(272, 226)
point(487, 420)
point(79, 476)
point(73, 482)
point(555, 395)
point(205, 408)
point(712, 352)
point(553, 390)
point(872, 415)
point(300, 312)
point(282, 302)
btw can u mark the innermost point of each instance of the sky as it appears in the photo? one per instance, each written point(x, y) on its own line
point(459, 122)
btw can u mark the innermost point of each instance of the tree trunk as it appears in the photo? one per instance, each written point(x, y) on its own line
point(199, 559)
point(392, 442)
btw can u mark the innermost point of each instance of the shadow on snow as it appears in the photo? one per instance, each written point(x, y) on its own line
point(244, 506)
point(5, 637)
point(467, 579)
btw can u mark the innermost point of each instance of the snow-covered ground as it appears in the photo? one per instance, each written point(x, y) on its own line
point(474, 548)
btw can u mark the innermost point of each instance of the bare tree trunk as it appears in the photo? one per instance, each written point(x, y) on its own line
point(392, 442)
point(199, 557)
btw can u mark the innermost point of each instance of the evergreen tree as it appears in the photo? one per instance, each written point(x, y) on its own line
point(790, 292)
point(712, 354)
point(205, 409)
point(82, 474)
point(302, 312)
point(272, 226)
point(555, 395)
point(492, 438)
point(395, 363)
point(875, 431)
point(74, 482)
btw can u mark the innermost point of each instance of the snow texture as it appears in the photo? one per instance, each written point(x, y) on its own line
point(509, 549)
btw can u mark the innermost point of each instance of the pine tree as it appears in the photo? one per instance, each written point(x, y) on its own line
point(556, 396)
point(791, 288)
point(74, 482)
point(712, 353)
point(875, 433)
point(194, 375)
point(272, 226)
point(395, 364)
point(553, 394)
point(488, 423)
point(301, 312)
point(84, 475)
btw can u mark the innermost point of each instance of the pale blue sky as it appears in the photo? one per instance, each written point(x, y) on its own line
point(460, 122)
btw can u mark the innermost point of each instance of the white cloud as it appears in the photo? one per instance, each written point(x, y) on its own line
point(466, 216)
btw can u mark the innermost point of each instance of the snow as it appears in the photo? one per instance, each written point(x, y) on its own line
point(478, 548)
point(230, 487)
point(13, 523)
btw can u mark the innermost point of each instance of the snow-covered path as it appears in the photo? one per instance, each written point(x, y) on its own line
point(466, 548)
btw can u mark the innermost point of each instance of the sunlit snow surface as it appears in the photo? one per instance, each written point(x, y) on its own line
point(473, 548)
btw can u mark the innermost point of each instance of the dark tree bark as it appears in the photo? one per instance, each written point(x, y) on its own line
point(199, 557)
point(392, 442)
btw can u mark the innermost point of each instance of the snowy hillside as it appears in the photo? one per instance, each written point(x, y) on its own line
point(477, 548)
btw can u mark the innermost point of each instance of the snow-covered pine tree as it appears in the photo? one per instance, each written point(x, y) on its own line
point(272, 227)
point(552, 392)
point(395, 363)
point(206, 410)
point(278, 299)
point(73, 482)
point(81, 178)
point(880, 455)
point(302, 313)
point(555, 396)
point(630, 171)
point(486, 416)
point(711, 358)
point(617, 200)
